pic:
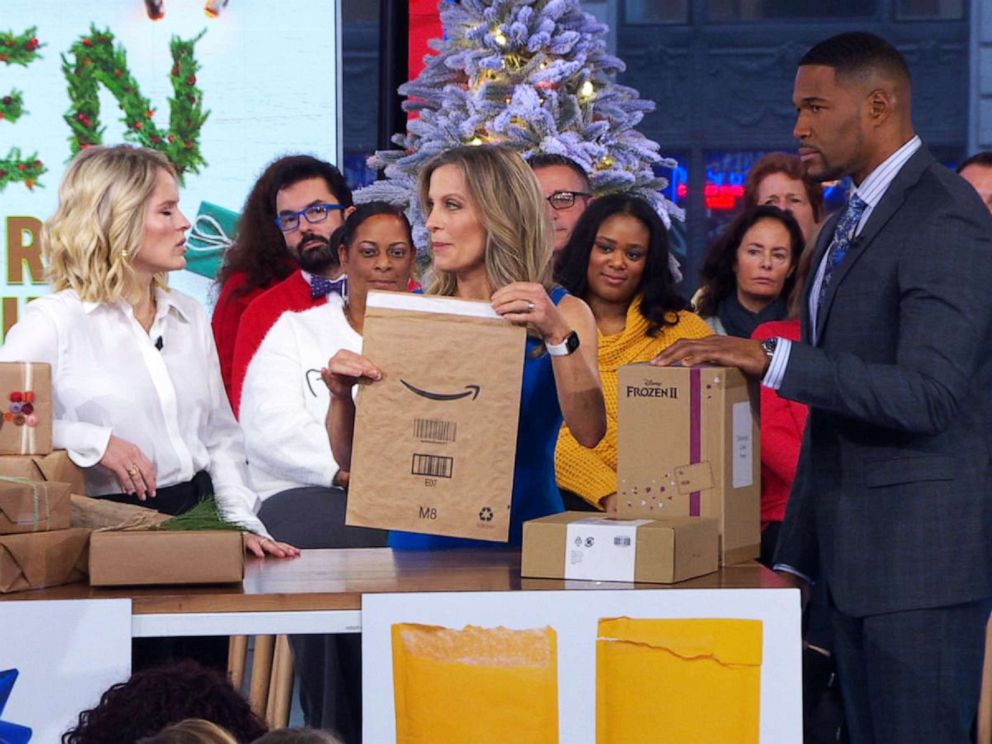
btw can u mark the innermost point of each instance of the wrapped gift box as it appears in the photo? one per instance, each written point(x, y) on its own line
point(41, 559)
point(25, 408)
point(150, 557)
point(52, 467)
point(33, 506)
point(213, 231)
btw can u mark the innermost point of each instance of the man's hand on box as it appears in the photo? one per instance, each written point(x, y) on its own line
point(346, 369)
point(527, 303)
point(724, 351)
point(261, 546)
point(135, 473)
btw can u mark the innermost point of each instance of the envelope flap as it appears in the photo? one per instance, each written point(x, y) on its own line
point(726, 641)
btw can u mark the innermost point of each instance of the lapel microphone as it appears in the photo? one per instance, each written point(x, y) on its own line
point(159, 343)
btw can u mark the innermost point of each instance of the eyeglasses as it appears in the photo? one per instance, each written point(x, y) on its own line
point(565, 199)
point(289, 221)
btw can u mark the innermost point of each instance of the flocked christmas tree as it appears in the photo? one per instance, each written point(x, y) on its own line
point(534, 75)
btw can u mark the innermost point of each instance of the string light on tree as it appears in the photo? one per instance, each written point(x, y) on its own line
point(536, 76)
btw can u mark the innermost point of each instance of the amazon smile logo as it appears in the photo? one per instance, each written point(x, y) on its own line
point(470, 390)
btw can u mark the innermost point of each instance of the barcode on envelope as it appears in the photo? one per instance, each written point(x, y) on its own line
point(434, 430)
point(622, 541)
point(433, 466)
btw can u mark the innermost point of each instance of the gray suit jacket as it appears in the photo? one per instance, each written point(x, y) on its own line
point(892, 502)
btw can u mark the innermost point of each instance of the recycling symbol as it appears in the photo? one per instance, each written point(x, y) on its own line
point(486, 514)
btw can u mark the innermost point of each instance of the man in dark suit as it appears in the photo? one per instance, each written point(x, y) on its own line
point(892, 503)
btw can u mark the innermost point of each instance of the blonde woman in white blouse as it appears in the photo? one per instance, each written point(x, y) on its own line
point(139, 402)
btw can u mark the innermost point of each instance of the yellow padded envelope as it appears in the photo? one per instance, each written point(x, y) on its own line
point(475, 685)
point(678, 681)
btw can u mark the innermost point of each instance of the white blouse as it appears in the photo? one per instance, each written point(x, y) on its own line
point(284, 402)
point(109, 377)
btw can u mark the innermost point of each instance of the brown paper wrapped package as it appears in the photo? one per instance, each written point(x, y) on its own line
point(43, 559)
point(52, 467)
point(32, 506)
point(25, 433)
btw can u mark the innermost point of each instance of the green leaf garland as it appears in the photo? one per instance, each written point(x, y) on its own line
point(94, 60)
point(18, 49)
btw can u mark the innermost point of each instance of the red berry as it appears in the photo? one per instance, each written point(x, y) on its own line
point(22, 166)
point(137, 125)
point(191, 80)
point(88, 42)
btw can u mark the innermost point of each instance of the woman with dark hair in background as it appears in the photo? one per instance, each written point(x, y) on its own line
point(255, 261)
point(749, 271)
point(617, 261)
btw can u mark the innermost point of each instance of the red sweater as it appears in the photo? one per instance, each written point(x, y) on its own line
point(782, 425)
point(290, 295)
point(227, 316)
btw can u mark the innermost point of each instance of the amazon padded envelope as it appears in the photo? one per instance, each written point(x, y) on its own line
point(435, 439)
point(476, 685)
point(678, 681)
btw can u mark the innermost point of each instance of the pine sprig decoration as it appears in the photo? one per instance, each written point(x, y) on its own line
point(94, 60)
point(15, 168)
point(204, 516)
point(19, 49)
point(534, 75)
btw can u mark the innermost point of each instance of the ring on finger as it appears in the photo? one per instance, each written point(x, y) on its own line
point(133, 470)
point(530, 306)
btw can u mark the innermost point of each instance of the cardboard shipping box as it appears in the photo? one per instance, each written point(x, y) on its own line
point(690, 445)
point(153, 557)
point(435, 439)
point(582, 545)
point(55, 466)
point(40, 559)
point(25, 408)
point(33, 506)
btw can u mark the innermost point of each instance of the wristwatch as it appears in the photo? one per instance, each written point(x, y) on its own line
point(768, 346)
point(566, 347)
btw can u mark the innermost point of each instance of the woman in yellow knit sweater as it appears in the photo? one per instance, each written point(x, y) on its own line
point(617, 261)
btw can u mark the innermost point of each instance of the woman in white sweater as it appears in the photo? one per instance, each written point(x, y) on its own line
point(138, 398)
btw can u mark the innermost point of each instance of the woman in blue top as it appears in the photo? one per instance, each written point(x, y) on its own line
point(490, 239)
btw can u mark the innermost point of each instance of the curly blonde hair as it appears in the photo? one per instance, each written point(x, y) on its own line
point(512, 212)
point(90, 242)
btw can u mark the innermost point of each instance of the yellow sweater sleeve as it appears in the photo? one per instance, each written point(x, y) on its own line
point(589, 473)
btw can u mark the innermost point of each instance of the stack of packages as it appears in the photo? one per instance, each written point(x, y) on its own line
point(688, 484)
point(38, 548)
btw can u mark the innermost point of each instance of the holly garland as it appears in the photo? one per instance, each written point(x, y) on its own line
point(19, 49)
point(14, 168)
point(12, 106)
point(95, 60)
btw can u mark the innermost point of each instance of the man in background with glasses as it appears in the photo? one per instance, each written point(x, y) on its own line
point(311, 200)
point(567, 190)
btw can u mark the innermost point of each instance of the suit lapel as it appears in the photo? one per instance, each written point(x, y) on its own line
point(892, 200)
point(823, 239)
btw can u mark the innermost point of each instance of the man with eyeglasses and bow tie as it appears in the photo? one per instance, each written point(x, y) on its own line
point(310, 200)
point(891, 508)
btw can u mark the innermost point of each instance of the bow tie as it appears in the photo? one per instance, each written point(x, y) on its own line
point(319, 286)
